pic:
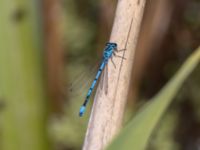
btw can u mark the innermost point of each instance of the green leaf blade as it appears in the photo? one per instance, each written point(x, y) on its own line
point(136, 134)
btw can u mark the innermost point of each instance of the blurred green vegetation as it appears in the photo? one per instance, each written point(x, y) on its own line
point(22, 78)
point(144, 123)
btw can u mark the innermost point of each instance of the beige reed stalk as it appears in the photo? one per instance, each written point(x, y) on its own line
point(107, 113)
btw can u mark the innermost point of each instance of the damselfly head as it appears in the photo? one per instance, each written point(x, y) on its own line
point(114, 45)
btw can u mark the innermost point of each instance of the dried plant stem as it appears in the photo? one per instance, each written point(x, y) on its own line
point(107, 112)
point(54, 51)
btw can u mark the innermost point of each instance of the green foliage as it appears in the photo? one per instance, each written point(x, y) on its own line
point(21, 77)
point(137, 133)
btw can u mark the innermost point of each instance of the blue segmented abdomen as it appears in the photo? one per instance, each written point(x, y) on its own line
point(107, 54)
point(83, 107)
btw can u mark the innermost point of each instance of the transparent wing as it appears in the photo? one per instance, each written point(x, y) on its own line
point(80, 76)
point(80, 83)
